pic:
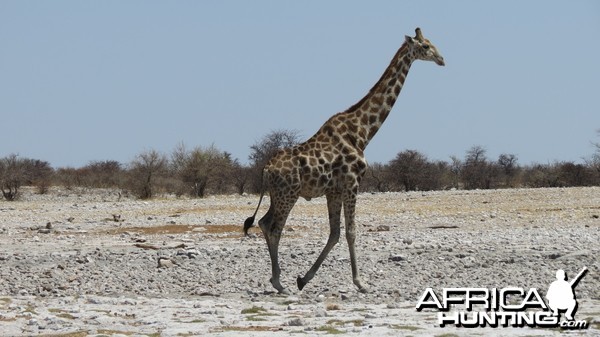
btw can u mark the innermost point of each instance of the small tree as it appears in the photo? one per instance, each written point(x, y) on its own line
point(594, 161)
point(572, 174)
point(412, 171)
point(455, 167)
point(477, 172)
point(267, 147)
point(102, 174)
point(541, 175)
point(409, 169)
point(438, 176)
point(67, 177)
point(201, 169)
point(508, 167)
point(221, 181)
point(240, 175)
point(12, 176)
point(376, 179)
point(145, 170)
point(39, 174)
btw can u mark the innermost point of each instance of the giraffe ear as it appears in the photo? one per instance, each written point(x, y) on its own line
point(409, 39)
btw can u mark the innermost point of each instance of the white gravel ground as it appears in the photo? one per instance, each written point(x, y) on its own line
point(88, 263)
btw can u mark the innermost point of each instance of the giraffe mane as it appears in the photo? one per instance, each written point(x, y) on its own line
point(385, 74)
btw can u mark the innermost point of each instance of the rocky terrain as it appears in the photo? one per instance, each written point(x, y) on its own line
point(94, 263)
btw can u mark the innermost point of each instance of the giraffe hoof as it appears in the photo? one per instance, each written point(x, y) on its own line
point(300, 282)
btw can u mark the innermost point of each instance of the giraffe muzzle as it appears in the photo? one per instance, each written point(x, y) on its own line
point(440, 61)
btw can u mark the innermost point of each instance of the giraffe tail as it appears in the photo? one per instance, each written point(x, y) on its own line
point(250, 221)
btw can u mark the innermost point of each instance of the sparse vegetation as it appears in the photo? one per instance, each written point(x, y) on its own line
point(253, 310)
point(16, 172)
point(61, 313)
point(109, 332)
point(201, 171)
point(330, 330)
point(412, 171)
point(339, 322)
point(244, 328)
point(145, 171)
point(404, 327)
point(69, 334)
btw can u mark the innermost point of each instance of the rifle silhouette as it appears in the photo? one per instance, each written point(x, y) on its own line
point(574, 281)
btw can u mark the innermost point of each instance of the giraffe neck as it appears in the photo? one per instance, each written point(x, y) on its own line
point(372, 110)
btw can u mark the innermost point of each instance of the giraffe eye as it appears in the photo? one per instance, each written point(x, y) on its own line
point(426, 46)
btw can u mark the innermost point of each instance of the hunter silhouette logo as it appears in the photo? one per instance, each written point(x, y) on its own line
point(561, 294)
point(510, 306)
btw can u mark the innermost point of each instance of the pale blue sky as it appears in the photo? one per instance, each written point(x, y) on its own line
point(98, 80)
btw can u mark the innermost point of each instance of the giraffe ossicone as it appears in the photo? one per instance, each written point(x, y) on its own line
point(332, 163)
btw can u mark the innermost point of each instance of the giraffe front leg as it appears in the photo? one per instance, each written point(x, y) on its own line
point(349, 212)
point(351, 238)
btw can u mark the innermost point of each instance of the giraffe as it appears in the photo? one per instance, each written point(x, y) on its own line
point(332, 163)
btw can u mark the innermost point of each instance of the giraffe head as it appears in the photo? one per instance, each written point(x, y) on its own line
point(423, 49)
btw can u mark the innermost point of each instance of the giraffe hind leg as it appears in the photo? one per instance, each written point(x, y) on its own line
point(272, 227)
point(349, 213)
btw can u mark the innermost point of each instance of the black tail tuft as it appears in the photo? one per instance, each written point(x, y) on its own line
point(250, 221)
point(247, 224)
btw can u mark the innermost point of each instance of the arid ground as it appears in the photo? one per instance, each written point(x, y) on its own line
point(92, 263)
